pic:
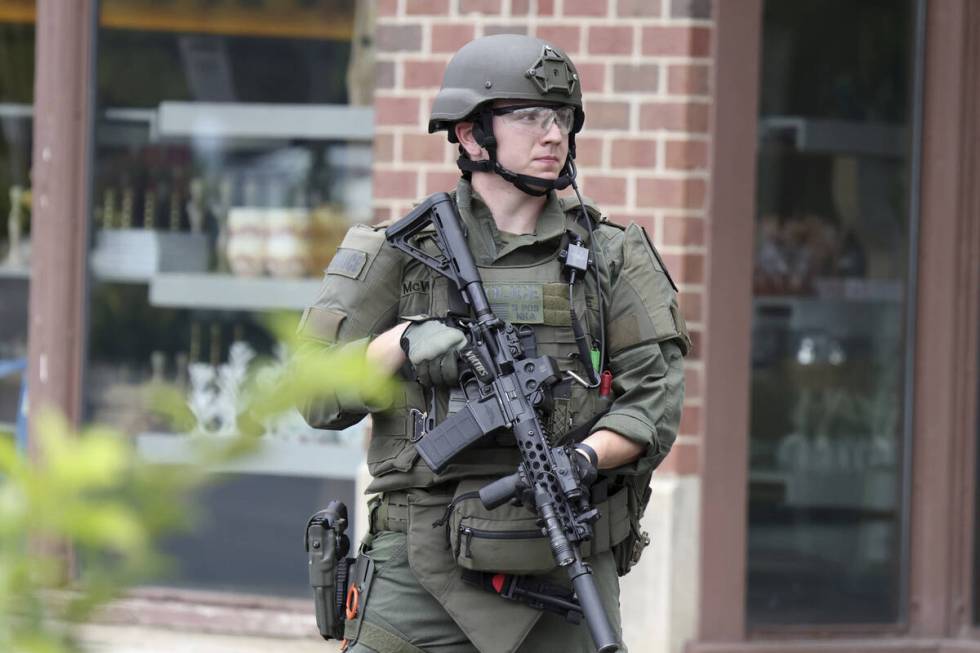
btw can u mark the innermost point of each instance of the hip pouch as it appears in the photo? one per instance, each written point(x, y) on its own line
point(627, 552)
point(327, 546)
point(508, 539)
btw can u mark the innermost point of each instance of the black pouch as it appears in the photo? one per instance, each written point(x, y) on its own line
point(359, 590)
point(627, 552)
point(327, 546)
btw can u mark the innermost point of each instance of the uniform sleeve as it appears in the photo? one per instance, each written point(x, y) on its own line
point(357, 300)
point(646, 343)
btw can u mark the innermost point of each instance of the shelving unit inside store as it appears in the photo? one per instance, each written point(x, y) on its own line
point(237, 126)
point(210, 290)
point(274, 457)
point(208, 215)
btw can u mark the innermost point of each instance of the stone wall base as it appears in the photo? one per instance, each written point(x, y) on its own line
point(659, 597)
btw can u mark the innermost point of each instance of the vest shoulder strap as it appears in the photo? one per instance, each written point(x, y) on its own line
point(571, 205)
point(606, 221)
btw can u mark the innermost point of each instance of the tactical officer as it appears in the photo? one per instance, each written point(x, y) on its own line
point(438, 559)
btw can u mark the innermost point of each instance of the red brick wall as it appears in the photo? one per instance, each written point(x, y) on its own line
point(643, 155)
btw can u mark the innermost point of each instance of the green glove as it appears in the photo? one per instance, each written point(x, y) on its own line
point(431, 348)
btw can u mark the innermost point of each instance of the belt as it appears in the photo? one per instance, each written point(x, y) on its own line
point(389, 512)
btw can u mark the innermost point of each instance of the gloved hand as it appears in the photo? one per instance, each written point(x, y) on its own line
point(586, 463)
point(431, 348)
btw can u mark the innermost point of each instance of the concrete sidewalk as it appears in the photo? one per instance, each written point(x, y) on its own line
point(140, 639)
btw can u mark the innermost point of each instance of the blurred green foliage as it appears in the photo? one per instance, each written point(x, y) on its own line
point(89, 491)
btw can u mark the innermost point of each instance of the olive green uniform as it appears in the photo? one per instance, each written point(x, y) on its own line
point(416, 595)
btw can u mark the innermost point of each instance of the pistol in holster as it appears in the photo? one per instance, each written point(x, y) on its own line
point(327, 546)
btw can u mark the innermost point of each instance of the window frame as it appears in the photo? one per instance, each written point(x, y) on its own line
point(939, 558)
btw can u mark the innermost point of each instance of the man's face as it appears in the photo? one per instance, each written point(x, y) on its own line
point(532, 139)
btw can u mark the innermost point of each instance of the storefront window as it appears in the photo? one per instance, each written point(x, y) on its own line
point(229, 162)
point(830, 299)
point(16, 98)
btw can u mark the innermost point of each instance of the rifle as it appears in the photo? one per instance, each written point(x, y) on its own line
point(509, 387)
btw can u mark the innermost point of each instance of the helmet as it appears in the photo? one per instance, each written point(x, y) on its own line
point(507, 67)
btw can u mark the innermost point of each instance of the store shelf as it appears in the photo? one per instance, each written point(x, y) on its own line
point(869, 291)
point(118, 127)
point(209, 291)
point(229, 120)
point(115, 276)
point(139, 254)
point(11, 111)
point(274, 457)
point(836, 136)
point(10, 272)
point(227, 292)
point(865, 488)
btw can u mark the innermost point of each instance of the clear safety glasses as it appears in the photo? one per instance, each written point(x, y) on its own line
point(538, 120)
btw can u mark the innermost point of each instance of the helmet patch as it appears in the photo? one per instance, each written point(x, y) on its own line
point(552, 72)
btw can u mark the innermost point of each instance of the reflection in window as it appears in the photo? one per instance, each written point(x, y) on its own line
point(828, 339)
point(229, 163)
point(16, 96)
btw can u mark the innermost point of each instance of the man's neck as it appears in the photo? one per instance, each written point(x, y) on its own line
point(513, 210)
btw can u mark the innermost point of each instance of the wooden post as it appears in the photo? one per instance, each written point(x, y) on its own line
point(63, 131)
point(63, 107)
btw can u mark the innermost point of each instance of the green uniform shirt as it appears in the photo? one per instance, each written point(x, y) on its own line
point(645, 335)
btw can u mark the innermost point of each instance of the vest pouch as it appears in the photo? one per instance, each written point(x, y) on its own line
point(390, 448)
point(390, 454)
point(613, 526)
point(572, 405)
point(627, 552)
point(584, 408)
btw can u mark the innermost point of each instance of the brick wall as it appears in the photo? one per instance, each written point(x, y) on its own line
point(643, 154)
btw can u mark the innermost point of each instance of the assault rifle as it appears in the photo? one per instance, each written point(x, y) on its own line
point(509, 386)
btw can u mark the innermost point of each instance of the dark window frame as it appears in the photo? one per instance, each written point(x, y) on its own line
point(940, 552)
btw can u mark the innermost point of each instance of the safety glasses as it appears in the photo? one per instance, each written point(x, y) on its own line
point(538, 120)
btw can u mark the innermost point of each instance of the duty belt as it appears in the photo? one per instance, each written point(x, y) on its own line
point(389, 512)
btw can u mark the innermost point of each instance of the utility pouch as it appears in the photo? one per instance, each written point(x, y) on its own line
point(627, 553)
point(508, 539)
point(327, 546)
point(358, 592)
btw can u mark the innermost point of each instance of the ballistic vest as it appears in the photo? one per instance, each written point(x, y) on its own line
point(535, 294)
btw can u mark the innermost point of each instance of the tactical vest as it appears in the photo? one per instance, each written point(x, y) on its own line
point(536, 295)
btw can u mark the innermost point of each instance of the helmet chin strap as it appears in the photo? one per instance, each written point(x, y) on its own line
point(536, 186)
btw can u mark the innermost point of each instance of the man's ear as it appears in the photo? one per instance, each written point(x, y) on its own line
point(464, 134)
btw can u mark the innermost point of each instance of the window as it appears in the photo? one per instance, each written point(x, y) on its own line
point(229, 163)
point(830, 287)
point(16, 97)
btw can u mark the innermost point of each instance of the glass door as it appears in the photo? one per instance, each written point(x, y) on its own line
point(830, 298)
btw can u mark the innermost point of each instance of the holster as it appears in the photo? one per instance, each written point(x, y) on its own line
point(327, 545)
